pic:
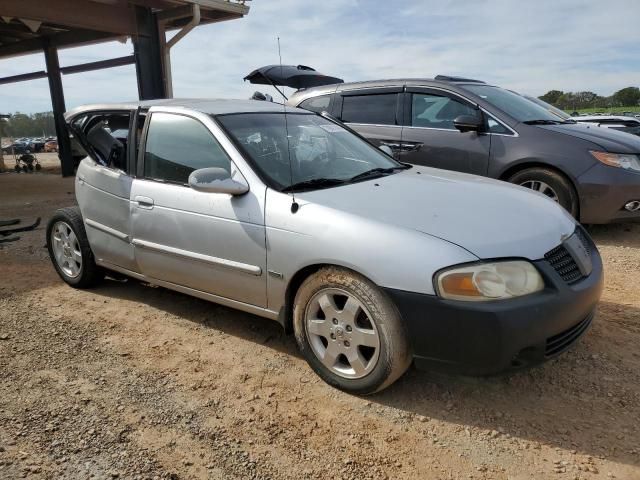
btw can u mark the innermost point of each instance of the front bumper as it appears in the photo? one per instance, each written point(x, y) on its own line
point(483, 338)
point(604, 191)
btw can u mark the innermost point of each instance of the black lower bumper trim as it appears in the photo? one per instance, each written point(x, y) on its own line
point(562, 341)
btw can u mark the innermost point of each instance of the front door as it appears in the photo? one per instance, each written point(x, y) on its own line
point(210, 242)
point(429, 137)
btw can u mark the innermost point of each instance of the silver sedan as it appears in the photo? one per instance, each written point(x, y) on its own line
point(283, 213)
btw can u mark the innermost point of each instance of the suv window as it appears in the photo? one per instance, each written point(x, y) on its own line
point(177, 145)
point(436, 111)
point(317, 104)
point(378, 109)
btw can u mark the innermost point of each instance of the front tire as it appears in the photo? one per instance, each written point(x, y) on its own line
point(550, 183)
point(70, 251)
point(350, 332)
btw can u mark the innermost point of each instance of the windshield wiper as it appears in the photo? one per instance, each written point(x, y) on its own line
point(377, 172)
point(314, 183)
point(542, 122)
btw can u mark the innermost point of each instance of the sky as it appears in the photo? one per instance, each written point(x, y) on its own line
point(527, 46)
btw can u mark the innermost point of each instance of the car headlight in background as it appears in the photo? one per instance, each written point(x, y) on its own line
point(621, 160)
point(489, 281)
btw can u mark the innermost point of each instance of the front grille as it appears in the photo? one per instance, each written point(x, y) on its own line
point(560, 342)
point(562, 261)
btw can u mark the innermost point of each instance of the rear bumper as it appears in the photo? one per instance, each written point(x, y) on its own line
point(483, 338)
point(604, 191)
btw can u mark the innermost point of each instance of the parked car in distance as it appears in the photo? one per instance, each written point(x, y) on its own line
point(289, 215)
point(616, 122)
point(51, 146)
point(470, 126)
point(38, 144)
point(17, 148)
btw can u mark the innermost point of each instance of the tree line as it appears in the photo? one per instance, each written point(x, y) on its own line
point(23, 125)
point(626, 97)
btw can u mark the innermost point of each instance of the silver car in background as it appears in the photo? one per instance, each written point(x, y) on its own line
point(287, 214)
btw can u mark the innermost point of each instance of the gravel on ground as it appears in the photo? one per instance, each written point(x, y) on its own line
point(128, 380)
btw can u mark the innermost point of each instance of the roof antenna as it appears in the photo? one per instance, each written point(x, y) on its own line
point(294, 206)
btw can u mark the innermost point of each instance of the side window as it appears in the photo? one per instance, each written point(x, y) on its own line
point(377, 109)
point(436, 111)
point(316, 104)
point(177, 145)
point(495, 126)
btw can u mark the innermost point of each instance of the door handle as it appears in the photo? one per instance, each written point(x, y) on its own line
point(411, 147)
point(392, 145)
point(144, 202)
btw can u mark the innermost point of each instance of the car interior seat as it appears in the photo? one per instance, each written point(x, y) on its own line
point(110, 151)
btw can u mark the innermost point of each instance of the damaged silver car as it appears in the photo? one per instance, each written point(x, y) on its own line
point(289, 215)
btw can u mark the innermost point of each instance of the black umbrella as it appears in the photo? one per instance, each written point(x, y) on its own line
point(294, 76)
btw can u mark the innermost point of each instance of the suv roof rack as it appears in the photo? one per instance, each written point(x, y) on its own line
point(448, 78)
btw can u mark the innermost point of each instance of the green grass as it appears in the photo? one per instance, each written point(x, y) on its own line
point(612, 110)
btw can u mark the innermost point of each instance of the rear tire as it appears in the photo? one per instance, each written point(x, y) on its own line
point(70, 251)
point(551, 183)
point(350, 332)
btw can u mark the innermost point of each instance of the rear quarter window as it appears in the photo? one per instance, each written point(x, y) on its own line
point(317, 104)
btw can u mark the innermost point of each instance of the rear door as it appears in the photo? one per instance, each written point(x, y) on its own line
point(209, 242)
point(103, 183)
point(429, 137)
point(375, 113)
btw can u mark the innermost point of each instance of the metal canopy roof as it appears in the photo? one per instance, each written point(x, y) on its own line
point(27, 26)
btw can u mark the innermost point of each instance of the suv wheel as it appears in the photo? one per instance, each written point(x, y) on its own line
point(550, 183)
point(350, 332)
point(69, 249)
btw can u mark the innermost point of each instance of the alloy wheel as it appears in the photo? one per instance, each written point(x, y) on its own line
point(66, 249)
point(541, 187)
point(341, 333)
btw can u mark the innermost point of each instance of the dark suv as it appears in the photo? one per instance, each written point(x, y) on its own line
point(469, 126)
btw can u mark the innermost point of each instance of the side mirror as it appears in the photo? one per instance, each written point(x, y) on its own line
point(468, 123)
point(386, 149)
point(218, 180)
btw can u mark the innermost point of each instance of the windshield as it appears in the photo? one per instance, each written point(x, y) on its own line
point(513, 104)
point(319, 152)
point(555, 110)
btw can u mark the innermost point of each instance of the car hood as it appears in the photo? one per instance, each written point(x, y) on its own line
point(487, 217)
point(608, 139)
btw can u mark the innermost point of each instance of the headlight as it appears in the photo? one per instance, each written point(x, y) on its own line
point(489, 281)
point(621, 160)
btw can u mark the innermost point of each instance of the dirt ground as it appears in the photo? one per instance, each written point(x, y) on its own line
point(133, 381)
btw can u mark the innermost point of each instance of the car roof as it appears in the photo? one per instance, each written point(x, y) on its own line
point(208, 106)
point(404, 81)
point(393, 82)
